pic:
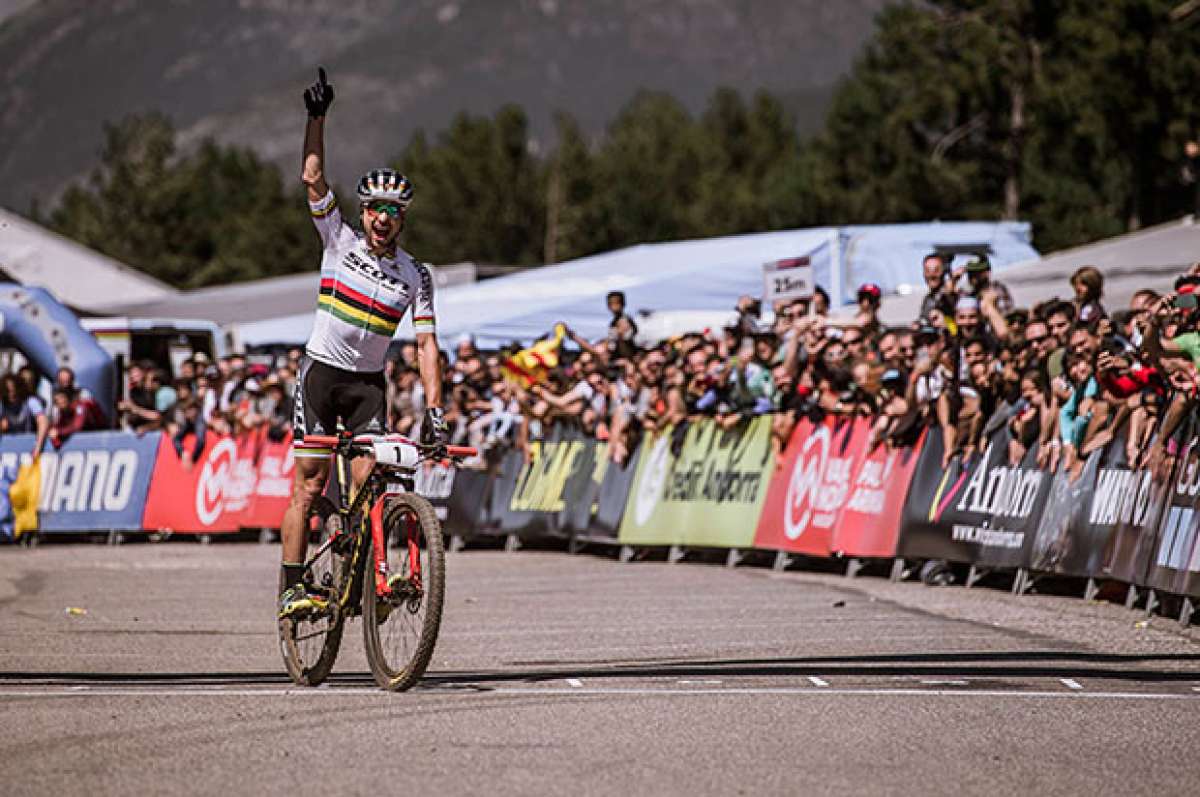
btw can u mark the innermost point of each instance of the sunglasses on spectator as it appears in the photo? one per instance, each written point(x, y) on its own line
point(1037, 340)
point(390, 208)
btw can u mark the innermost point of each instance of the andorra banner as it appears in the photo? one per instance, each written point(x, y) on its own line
point(984, 510)
point(706, 490)
point(810, 486)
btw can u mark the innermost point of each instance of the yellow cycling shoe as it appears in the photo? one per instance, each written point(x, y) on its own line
point(297, 602)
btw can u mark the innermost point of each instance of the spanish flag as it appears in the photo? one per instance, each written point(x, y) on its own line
point(529, 367)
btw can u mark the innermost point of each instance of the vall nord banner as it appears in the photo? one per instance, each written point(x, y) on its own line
point(811, 485)
point(219, 492)
point(596, 513)
point(868, 523)
point(710, 493)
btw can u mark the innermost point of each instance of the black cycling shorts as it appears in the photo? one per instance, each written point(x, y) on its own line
point(326, 395)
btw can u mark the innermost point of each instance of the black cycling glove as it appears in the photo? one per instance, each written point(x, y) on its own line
point(434, 431)
point(319, 96)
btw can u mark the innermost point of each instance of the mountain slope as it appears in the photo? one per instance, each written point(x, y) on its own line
point(235, 68)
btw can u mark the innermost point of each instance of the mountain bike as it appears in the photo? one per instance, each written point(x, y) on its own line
point(380, 555)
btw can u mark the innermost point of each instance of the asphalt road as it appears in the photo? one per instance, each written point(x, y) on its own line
point(577, 674)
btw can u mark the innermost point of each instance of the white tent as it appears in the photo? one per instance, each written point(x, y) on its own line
point(706, 274)
point(77, 276)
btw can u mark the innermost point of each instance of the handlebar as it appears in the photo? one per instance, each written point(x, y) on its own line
point(452, 452)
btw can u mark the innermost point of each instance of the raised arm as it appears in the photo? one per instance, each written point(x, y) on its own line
point(583, 343)
point(317, 99)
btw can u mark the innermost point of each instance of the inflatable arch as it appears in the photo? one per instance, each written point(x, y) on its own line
point(50, 337)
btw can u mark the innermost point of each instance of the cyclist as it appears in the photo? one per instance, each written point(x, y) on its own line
point(367, 284)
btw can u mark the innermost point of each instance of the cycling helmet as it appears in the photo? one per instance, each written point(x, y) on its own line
point(385, 184)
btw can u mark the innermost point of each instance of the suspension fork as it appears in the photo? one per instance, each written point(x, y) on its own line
point(379, 549)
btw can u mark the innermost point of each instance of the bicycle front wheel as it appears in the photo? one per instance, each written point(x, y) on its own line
point(400, 631)
point(310, 645)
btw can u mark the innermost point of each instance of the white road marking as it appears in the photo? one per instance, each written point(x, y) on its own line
point(818, 681)
point(575, 682)
point(188, 692)
point(702, 682)
point(1070, 683)
point(805, 692)
point(944, 683)
point(61, 691)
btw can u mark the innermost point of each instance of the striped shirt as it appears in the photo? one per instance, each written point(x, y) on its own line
point(363, 297)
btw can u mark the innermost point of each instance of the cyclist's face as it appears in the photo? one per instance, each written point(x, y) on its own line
point(382, 222)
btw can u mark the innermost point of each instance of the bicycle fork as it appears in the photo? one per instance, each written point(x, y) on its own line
point(379, 548)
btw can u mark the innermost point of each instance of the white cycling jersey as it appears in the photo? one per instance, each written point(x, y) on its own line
point(363, 297)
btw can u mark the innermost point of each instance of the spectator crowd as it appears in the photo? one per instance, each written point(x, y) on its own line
point(1062, 375)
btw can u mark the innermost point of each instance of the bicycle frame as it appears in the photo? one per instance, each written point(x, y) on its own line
point(381, 482)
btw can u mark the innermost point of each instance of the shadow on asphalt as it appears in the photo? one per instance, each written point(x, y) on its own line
point(989, 664)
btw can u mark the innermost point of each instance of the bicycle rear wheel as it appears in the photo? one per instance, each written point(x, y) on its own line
point(310, 645)
point(400, 632)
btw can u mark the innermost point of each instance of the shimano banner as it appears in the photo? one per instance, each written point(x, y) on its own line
point(97, 481)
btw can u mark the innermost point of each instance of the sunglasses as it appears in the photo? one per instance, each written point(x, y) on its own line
point(1036, 341)
point(390, 208)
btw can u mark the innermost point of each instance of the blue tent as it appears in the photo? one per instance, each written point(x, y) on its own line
point(705, 274)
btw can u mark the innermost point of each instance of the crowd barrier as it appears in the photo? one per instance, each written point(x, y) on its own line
point(830, 494)
point(117, 481)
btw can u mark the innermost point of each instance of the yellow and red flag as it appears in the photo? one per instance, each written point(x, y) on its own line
point(24, 494)
point(529, 367)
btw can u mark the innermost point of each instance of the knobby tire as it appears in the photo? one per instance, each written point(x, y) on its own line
point(303, 667)
point(398, 670)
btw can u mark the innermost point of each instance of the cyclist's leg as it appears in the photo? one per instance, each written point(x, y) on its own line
point(307, 484)
point(314, 414)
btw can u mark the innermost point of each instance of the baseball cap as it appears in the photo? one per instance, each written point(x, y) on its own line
point(869, 289)
point(979, 264)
